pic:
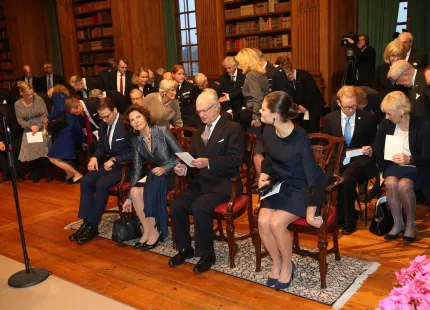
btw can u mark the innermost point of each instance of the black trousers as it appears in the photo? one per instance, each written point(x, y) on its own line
point(201, 206)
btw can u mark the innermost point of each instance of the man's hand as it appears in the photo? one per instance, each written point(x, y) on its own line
point(263, 180)
point(158, 171)
point(223, 98)
point(127, 206)
point(200, 162)
point(2, 146)
point(351, 41)
point(34, 129)
point(367, 150)
point(256, 123)
point(301, 108)
point(180, 169)
point(93, 164)
point(108, 165)
point(401, 159)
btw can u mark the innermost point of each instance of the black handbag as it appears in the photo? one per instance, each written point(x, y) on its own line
point(57, 124)
point(382, 219)
point(264, 190)
point(126, 228)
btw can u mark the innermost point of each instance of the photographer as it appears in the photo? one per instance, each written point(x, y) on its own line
point(365, 58)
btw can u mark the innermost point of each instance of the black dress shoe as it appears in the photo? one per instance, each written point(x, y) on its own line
point(88, 234)
point(147, 247)
point(77, 234)
point(180, 257)
point(138, 245)
point(204, 264)
point(348, 231)
point(340, 223)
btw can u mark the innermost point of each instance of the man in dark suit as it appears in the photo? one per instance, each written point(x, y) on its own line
point(365, 56)
point(30, 78)
point(418, 59)
point(358, 128)
point(158, 77)
point(50, 79)
point(83, 86)
point(104, 74)
point(202, 82)
point(218, 151)
point(403, 73)
point(120, 80)
point(113, 142)
point(119, 100)
point(231, 83)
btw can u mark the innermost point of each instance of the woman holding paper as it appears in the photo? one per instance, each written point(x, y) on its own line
point(409, 168)
point(153, 146)
point(31, 114)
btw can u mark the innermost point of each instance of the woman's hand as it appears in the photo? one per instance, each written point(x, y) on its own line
point(127, 206)
point(256, 123)
point(34, 129)
point(263, 180)
point(401, 159)
point(301, 108)
point(158, 171)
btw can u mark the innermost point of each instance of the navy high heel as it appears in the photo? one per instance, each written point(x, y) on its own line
point(283, 286)
point(271, 281)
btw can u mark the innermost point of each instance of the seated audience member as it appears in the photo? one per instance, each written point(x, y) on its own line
point(305, 94)
point(418, 59)
point(119, 100)
point(136, 96)
point(104, 74)
point(114, 142)
point(156, 146)
point(120, 80)
point(403, 73)
point(140, 79)
point(31, 114)
point(83, 85)
point(231, 82)
point(393, 52)
point(358, 128)
point(163, 106)
point(218, 151)
point(30, 78)
point(222, 113)
point(287, 153)
point(202, 82)
point(408, 170)
point(50, 79)
point(64, 141)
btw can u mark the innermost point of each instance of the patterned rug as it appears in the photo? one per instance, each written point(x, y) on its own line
point(344, 277)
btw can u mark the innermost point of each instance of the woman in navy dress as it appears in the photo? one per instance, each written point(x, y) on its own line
point(288, 155)
point(64, 141)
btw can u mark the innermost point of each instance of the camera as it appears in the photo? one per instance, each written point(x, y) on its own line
point(352, 35)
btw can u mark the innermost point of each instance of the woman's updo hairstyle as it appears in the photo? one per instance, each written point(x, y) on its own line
point(280, 102)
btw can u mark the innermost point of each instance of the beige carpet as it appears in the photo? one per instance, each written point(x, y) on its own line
point(53, 293)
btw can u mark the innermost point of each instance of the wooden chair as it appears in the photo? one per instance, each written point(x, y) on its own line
point(121, 189)
point(327, 152)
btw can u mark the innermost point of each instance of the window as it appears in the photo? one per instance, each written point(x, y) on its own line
point(402, 17)
point(187, 36)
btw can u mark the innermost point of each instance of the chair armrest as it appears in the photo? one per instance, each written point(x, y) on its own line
point(124, 169)
point(338, 182)
point(242, 176)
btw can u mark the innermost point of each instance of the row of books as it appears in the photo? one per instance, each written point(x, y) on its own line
point(4, 45)
point(6, 75)
point(258, 8)
point(94, 32)
point(6, 65)
point(257, 42)
point(261, 25)
point(100, 17)
point(5, 55)
point(95, 45)
point(92, 70)
point(91, 6)
point(271, 57)
point(97, 57)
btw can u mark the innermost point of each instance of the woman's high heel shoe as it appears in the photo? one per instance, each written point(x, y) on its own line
point(147, 247)
point(139, 245)
point(389, 237)
point(271, 281)
point(283, 286)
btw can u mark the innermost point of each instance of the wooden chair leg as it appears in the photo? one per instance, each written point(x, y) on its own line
point(336, 244)
point(296, 242)
point(220, 230)
point(250, 220)
point(231, 243)
point(322, 247)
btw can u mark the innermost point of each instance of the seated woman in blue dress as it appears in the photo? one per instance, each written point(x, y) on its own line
point(408, 170)
point(289, 156)
point(156, 146)
point(64, 141)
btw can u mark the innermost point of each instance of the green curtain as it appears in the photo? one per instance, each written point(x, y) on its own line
point(57, 60)
point(377, 19)
point(170, 33)
point(419, 12)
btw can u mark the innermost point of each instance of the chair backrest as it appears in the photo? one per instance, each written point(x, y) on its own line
point(248, 163)
point(184, 136)
point(327, 151)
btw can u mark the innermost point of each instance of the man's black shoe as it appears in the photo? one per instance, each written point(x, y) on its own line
point(88, 234)
point(348, 231)
point(341, 223)
point(180, 257)
point(77, 234)
point(204, 264)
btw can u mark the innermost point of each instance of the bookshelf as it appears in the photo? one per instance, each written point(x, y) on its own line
point(94, 34)
point(262, 24)
point(6, 71)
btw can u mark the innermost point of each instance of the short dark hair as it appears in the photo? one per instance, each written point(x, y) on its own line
point(106, 103)
point(136, 107)
point(280, 102)
point(124, 60)
point(366, 38)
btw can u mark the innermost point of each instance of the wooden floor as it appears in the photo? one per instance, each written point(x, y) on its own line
point(144, 280)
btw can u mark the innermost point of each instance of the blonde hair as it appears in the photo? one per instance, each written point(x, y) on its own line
point(166, 85)
point(396, 101)
point(137, 73)
point(346, 91)
point(60, 89)
point(24, 87)
point(248, 61)
point(394, 48)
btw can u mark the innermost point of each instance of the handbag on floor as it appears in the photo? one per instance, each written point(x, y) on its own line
point(382, 219)
point(126, 228)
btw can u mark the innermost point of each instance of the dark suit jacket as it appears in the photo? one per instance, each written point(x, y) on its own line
point(418, 59)
point(278, 79)
point(215, 86)
point(119, 100)
point(364, 134)
point(91, 105)
point(113, 85)
point(420, 96)
point(57, 79)
point(36, 82)
point(157, 79)
point(419, 145)
point(104, 76)
point(148, 89)
point(234, 91)
point(383, 84)
point(225, 149)
point(91, 82)
point(186, 97)
point(121, 144)
point(365, 61)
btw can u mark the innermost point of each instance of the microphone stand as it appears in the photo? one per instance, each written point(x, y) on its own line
point(29, 276)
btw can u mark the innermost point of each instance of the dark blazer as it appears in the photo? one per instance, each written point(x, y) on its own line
point(119, 100)
point(91, 105)
point(36, 82)
point(215, 86)
point(224, 150)
point(148, 89)
point(418, 59)
point(121, 144)
point(164, 146)
point(91, 82)
point(157, 79)
point(278, 79)
point(104, 76)
point(419, 144)
point(383, 84)
point(57, 79)
point(365, 61)
point(420, 96)
point(113, 85)
point(234, 91)
point(186, 97)
point(364, 134)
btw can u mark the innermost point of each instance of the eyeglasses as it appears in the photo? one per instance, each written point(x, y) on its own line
point(105, 117)
point(350, 108)
point(205, 110)
point(136, 99)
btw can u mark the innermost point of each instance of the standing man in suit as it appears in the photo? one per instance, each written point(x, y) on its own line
point(119, 100)
point(218, 151)
point(50, 79)
point(231, 82)
point(403, 73)
point(202, 82)
point(120, 80)
point(83, 86)
point(104, 74)
point(418, 59)
point(115, 143)
point(358, 128)
point(30, 78)
point(365, 56)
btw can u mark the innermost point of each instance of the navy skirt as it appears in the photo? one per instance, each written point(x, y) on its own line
point(409, 172)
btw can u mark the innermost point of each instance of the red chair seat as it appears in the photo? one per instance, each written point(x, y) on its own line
point(240, 203)
point(331, 215)
point(114, 188)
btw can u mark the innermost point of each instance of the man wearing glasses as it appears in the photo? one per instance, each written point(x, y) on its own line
point(218, 151)
point(365, 59)
point(113, 142)
point(358, 128)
